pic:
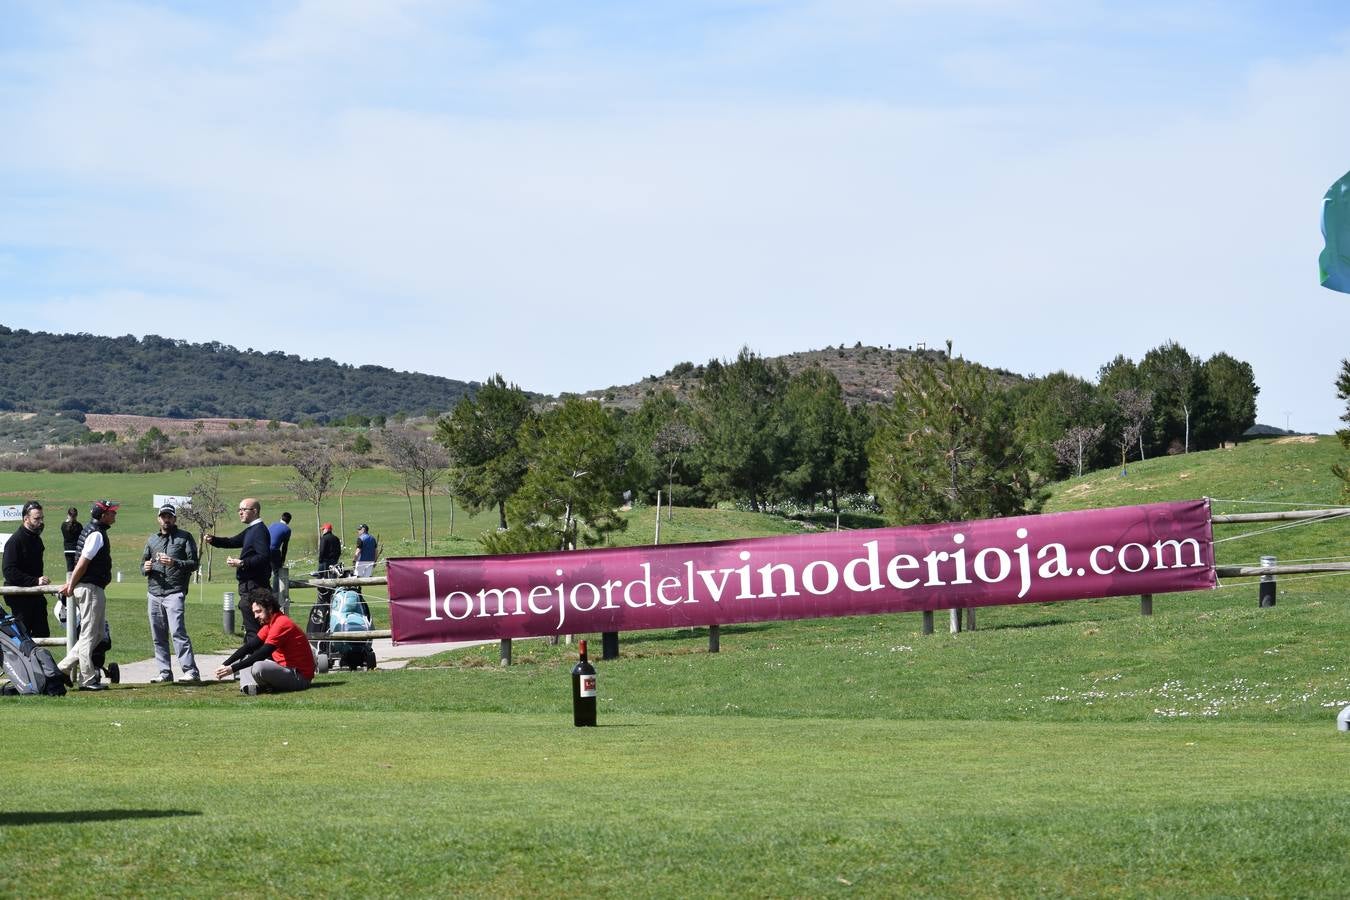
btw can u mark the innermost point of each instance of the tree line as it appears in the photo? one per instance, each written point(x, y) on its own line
point(957, 441)
point(75, 374)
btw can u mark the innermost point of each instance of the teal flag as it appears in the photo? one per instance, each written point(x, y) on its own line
point(1334, 263)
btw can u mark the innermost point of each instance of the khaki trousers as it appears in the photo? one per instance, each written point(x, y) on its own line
point(90, 603)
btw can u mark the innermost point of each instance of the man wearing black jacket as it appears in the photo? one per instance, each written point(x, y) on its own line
point(23, 568)
point(253, 565)
point(330, 548)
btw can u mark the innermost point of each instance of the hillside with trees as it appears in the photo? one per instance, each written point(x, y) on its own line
point(918, 435)
point(156, 376)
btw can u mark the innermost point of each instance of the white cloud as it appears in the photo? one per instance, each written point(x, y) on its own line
point(575, 215)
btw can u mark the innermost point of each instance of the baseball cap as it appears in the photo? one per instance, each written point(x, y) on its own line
point(167, 510)
point(102, 506)
point(327, 526)
point(363, 527)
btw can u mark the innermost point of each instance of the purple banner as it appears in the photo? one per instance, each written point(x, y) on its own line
point(1153, 549)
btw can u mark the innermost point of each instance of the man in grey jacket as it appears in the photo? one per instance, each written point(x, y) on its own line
point(168, 561)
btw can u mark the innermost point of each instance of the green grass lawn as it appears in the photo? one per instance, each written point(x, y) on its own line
point(1075, 748)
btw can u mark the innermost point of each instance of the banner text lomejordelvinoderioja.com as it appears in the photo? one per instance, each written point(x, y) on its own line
point(1152, 549)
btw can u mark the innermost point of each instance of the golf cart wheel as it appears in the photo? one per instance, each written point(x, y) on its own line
point(322, 663)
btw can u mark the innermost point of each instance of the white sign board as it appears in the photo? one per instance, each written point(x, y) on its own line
point(11, 513)
point(3, 538)
point(177, 501)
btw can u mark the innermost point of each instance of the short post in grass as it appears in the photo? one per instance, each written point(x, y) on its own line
point(1267, 587)
point(954, 623)
point(927, 621)
point(714, 638)
point(1145, 604)
point(970, 618)
point(282, 586)
point(227, 612)
point(609, 645)
point(505, 651)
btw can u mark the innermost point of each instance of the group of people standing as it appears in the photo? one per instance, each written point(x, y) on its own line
point(275, 653)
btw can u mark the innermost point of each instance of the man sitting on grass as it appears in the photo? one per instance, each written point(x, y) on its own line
point(283, 660)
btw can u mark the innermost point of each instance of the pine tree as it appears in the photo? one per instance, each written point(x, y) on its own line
point(826, 440)
point(570, 493)
point(946, 450)
point(736, 410)
point(481, 435)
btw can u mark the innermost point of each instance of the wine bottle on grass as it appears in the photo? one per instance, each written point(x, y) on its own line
point(583, 690)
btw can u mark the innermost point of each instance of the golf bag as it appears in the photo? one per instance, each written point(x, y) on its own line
point(349, 612)
point(30, 668)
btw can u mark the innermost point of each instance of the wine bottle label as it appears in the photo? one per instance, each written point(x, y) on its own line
point(588, 685)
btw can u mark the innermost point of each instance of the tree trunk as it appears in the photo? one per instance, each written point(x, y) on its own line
point(342, 511)
point(426, 548)
point(501, 512)
point(412, 523)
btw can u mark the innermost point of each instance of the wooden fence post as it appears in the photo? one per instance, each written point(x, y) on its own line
point(1145, 604)
point(927, 621)
point(506, 651)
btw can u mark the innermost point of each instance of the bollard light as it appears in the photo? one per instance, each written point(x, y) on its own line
point(1267, 587)
point(227, 612)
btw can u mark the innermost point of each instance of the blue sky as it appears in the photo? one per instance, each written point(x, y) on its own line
point(581, 194)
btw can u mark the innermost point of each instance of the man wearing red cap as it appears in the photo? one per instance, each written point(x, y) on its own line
point(330, 548)
point(85, 586)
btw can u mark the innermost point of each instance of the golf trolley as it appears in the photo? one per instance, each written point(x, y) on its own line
point(336, 610)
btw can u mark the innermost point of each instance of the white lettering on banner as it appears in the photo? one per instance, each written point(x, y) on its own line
point(862, 573)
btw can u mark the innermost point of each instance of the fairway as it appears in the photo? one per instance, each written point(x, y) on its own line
point(806, 758)
point(370, 803)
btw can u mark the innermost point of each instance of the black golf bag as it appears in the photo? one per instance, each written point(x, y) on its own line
point(30, 668)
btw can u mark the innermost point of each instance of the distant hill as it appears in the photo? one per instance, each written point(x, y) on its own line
point(156, 376)
point(80, 374)
point(866, 374)
point(1258, 431)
